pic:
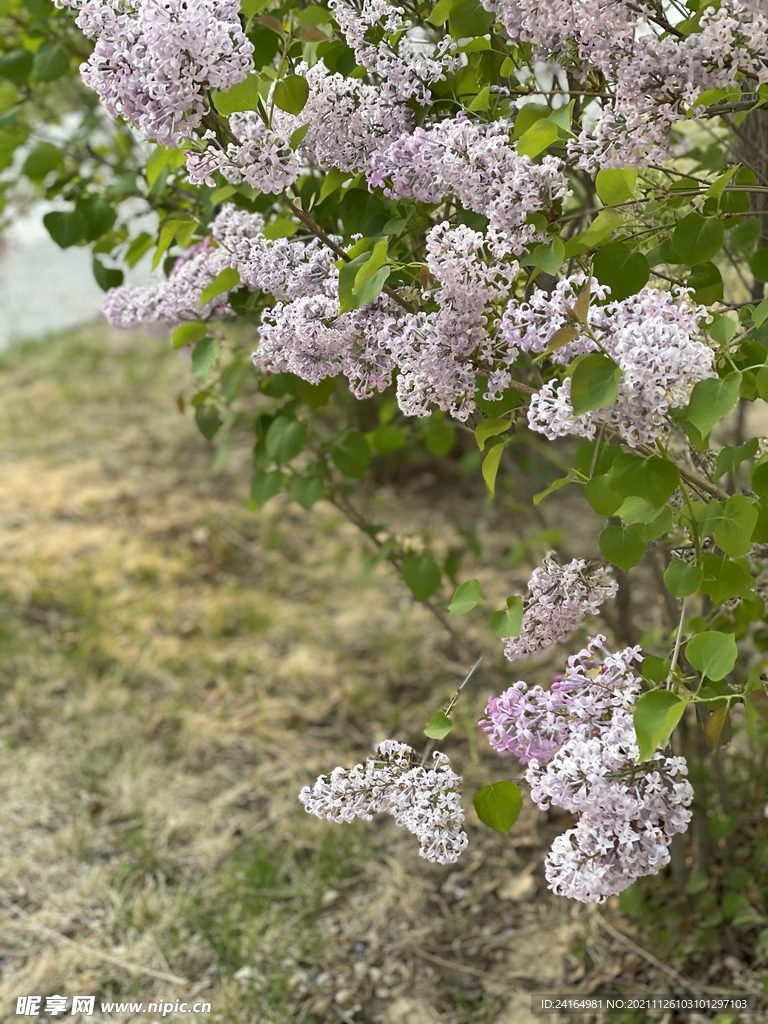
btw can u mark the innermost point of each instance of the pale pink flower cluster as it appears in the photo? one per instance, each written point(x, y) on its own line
point(425, 800)
point(560, 597)
point(579, 744)
point(475, 161)
point(262, 157)
point(648, 335)
point(175, 300)
point(405, 67)
point(154, 59)
point(651, 71)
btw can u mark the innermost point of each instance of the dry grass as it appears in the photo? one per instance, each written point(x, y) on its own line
point(174, 669)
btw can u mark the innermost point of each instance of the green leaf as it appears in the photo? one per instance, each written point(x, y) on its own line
point(188, 333)
point(729, 458)
point(723, 329)
point(713, 654)
point(600, 496)
point(439, 434)
point(759, 265)
point(549, 258)
point(351, 454)
point(625, 271)
point(334, 179)
point(760, 479)
point(106, 277)
point(711, 399)
point(224, 281)
point(285, 438)
point(421, 575)
point(42, 158)
point(352, 298)
point(208, 420)
point(656, 670)
point(623, 545)
point(697, 239)
point(241, 96)
point(653, 479)
point(50, 62)
point(265, 486)
point(594, 383)
point(683, 578)
point(707, 283)
point(468, 596)
point(760, 313)
point(169, 229)
point(616, 185)
point(540, 135)
point(66, 229)
point(468, 18)
point(735, 528)
point(439, 13)
point(572, 477)
point(717, 187)
point(98, 215)
point(140, 245)
point(723, 579)
point(439, 726)
point(508, 622)
point(490, 467)
point(204, 355)
point(656, 715)
point(718, 730)
point(16, 65)
point(601, 227)
point(376, 259)
point(498, 805)
point(308, 489)
point(291, 94)
point(491, 428)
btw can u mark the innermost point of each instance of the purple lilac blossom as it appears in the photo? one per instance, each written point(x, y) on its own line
point(476, 162)
point(425, 800)
point(154, 59)
point(652, 79)
point(578, 742)
point(648, 335)
point(560, 597)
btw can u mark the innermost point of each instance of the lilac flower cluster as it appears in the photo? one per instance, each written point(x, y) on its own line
point(154, 59)
point(648, 335)
point(406, 67)
point(476, 162)
point(560, 597)
point(175, 300)
point(425, 800)
point(579, 745)
point(651, 71)
point(262, 157)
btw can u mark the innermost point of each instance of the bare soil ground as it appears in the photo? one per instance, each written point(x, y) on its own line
point(174, 668)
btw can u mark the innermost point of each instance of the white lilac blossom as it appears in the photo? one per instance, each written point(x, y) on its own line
point(476, 162)
point(560, 597)
point(648, 335)
point(425, 800)
point(154, 59)
point(651, 73)
point(408, 67)
point(578, 742)
point(175, 300)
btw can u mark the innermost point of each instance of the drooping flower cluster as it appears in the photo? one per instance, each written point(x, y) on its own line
point(649, 68)
point(560, 597)
point(425, 800)
point(175, 300)
point(154, 59)
point(578, 742)
point(476, 162)
point(648, 335)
